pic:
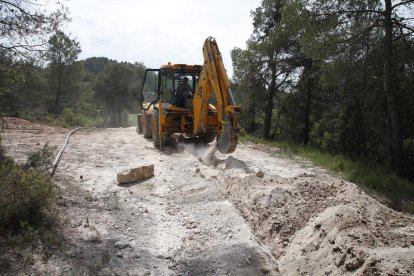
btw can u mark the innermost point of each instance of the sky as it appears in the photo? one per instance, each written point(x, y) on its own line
point(156, 32)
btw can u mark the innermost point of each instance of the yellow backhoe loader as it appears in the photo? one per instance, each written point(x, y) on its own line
point(207, 111)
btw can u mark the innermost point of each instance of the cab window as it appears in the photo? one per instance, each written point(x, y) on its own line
point(167, 91)
point(150, 87)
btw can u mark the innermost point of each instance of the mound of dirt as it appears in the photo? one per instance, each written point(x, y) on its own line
point(11, 123)
point(21, 137)
point(316, 224)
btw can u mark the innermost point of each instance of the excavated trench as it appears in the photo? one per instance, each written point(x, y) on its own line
point(254, 212)
point(316, 224)
point(313, 222)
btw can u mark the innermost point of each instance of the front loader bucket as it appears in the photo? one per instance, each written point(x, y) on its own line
point(227, 141)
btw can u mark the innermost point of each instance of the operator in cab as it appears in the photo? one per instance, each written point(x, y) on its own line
point(183, 92)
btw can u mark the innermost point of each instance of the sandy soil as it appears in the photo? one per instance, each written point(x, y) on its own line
point(253, 212)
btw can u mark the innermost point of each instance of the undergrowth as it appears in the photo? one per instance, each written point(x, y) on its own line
point(27, 200)
point(398, 191)
point(68, 118)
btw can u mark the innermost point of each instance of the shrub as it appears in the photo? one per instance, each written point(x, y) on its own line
point(27, 196)
point(40, 159)
point(70, 118)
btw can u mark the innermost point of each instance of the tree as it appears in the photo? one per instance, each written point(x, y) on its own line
point(349, 77)
point(387, 18)
point(270, 52)
point(97, 65)
point(249, 87)
point(275, 56)
point(115, 88)
point(25, 26)
point(24, 30)
point(64, 72)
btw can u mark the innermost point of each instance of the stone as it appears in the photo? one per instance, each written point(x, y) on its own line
point(354, 264)
point(340, 262)
point(266, 269)
point(121, 244)
point(136, 174)
point(260, 174)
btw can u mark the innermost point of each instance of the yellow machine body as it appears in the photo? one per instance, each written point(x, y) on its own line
point(210, 112)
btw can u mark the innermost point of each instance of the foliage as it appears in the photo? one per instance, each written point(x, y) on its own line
point(65, 74)
point(116, 88)
point(27, 197)
point(40, 159)
point(22, 87)
point(64, 92)
point(24, 31)
point(314, 72)
point(25, 26)
point(62, 49)
point(96, 65)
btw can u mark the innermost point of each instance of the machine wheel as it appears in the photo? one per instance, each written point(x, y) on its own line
point(208, 137)
point(146, 127)
point(156, 139)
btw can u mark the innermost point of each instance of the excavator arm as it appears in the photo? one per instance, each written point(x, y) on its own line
point(214, 79)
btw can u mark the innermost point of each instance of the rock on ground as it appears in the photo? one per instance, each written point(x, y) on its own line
point(135, 175)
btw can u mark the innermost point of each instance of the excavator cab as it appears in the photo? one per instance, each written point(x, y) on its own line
point(159, 92)
point(177, 79)
point(208, 112)
point(161, 84)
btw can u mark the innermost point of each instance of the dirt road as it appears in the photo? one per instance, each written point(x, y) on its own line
point(250, 213)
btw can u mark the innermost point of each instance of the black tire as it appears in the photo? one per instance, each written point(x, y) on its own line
point(208, 137)
point(146, 119)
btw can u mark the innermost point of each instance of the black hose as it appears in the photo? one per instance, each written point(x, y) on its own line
point(57, 158)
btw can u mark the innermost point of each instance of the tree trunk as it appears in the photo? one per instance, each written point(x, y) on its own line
point(269, 107)
point(59, 89)
point(308, 89)
point(253, 117)
point(306, 129)
point(114, 114)
point(392, 106)
point(118, 116)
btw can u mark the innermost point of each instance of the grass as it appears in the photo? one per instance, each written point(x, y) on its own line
point(398, 191)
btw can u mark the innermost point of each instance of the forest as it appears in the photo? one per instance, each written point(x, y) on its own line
point(334, 75)
point(41, 77)
point(337, 76)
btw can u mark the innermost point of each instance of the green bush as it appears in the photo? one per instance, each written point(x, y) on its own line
point(243, 132)
point(26, 199)
point(41, 159)
point(69, 118)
